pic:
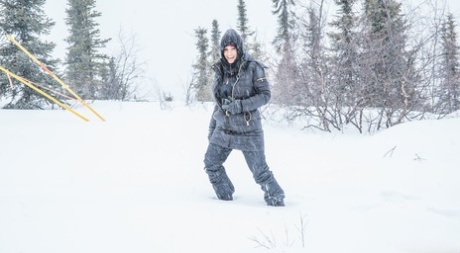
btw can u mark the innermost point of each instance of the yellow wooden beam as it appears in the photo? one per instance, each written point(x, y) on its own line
point(25, 82)
point(33, 58)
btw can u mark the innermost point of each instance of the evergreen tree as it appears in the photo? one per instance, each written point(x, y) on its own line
point(257, 50)
point(113, 88)
point(285, 24)
point(390, 79)
point(253, 47)
point(202, 84)
point(346, 86)
point(287, 75)
point(85, 63)
point(449, 98)
point(243, 26)
point(215, 41)
point(345, 48)
point(26, 22)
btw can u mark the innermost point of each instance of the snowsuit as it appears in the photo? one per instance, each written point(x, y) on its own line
point(244, 80)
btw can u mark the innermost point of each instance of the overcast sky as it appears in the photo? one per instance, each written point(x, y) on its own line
point(165, 30)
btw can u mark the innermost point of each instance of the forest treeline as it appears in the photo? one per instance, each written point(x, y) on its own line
point(371, 64)
point(89, 72)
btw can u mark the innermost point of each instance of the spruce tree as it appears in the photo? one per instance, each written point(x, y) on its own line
point(285, 23)
point(253, 47)
point(243, 26)
point(449, 94)
point(345, 48)
point(113, 88)
point(26, 22)
point(258, 51)
point(215, 41)
point(287, 76)
point(85, 63)
point(202, 84)
point(346, 86)
point(390, 79)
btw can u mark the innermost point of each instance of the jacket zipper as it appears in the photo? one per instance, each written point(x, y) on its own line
point(233, 95)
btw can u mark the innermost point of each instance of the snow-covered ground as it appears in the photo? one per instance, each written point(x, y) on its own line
point(135, 183)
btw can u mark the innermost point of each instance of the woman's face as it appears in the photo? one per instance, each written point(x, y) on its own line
point(230, 53)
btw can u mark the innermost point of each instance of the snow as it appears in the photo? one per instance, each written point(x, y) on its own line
point(135, 183)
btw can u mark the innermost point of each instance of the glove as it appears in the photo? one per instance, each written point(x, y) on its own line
point(233, 107)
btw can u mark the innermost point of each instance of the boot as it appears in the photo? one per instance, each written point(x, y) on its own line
point(221, 184)
point(273, 194)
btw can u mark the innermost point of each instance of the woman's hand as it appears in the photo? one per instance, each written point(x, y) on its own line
point(232, 106)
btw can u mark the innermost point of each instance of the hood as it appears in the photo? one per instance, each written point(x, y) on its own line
point(231, 36)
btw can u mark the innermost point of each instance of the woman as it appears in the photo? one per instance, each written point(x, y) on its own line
point(240, 88)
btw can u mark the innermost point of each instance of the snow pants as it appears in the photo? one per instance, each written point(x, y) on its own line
point(216, 156)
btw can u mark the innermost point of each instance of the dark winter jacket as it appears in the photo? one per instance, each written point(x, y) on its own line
point(243, 80)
